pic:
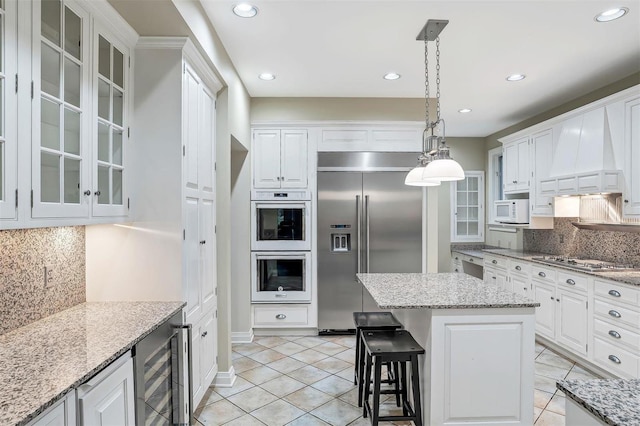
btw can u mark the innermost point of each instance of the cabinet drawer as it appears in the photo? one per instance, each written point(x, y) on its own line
point(572, 281)
point(456, 266)
point(519, 267)
point(616, 335)
point(456, 257)
point(279, 316)
point(548, 187)
point(614, 359)
point(567, 185)
point(617, 314)
point(544, 274)
point(495, 261)
point(617, 293)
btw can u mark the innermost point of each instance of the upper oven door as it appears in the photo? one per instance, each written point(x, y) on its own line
point(280, 225)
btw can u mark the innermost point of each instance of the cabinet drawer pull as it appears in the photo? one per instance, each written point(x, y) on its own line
point(615, 314)
point(614, 293)
point(493, 278)
point(205, 334)
point(615, 334)
point(456, 257)
point(470, 259)
point(542, 274)
point(455, 270)
point(281, 316)
point(87, 193)
point(518, 268)
point(615, 359)
point(571, 282)
point(203, 242)
point(495, 262)
point(552, 298)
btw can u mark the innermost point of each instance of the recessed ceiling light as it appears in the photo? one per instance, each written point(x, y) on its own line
point(464, 110)
point(245, 10)
point(611, 14)
point(267, 76)
point(391, 76)
point(516, 77)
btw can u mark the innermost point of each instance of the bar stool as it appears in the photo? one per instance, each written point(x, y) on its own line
point(396, 346)
point(371, 321)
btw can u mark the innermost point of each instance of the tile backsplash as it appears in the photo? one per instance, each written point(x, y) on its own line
point(567, 240)
point(24, 253)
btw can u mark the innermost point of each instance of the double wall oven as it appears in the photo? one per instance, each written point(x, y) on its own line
point(280, 247)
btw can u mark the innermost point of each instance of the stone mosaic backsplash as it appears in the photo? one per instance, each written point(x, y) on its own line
point(24, 253)
point(567, 240)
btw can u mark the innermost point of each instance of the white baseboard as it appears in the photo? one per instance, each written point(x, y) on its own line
point(285, 331)
point(242, 336)
point(225, 379)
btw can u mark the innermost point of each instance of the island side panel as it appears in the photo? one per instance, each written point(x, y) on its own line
point(479, 367)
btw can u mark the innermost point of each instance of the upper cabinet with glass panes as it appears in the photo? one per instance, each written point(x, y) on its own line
point(467, 205)
point(8, 111)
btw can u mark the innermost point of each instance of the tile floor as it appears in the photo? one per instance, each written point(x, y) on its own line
point(308, 381)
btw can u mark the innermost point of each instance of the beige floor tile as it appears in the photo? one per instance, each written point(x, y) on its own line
point(289, 348)
point(545, 384)
point(308, 398)
point(252, 399)
point(309, 342)
point(550, 371)
point(308, 374)
point(578, 372)
point(291, 338)
point(346, 341)
point(331, 365)
point(536, 413)
point(329, 348)
point(361, 421)
point(210, 396)
point(270, 341)
point(246, 420)
point(553, 359)
point(548, 418)
point(308, 420)
point(309, 356)
point(247, 348)
point(557, 404)
point(539, 348)
point(346, 374)
point(334, 385)
point(337, 413)
point(219, 413)
point(541, 398)
point(260, 374)
point(286, 365)
point(349, 356)
point(235, 355)
point(266, 356)
point(244, 364)
point(239, 386)
point(278, 413)
point(351, 397)
point(283, 385)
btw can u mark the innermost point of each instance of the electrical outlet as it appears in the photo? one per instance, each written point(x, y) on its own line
point(561, 238)
point(48, 276)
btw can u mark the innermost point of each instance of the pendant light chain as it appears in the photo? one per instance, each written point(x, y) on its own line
point(426, 82)
point(437, 79)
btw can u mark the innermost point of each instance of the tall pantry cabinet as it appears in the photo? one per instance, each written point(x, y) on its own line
point(169, 251)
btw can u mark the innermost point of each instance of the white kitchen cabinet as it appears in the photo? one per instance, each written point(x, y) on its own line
point(204, 355)
point(108, 398)
point(545, 294)
point(467, 197)
point(572, 320)
point(62, 413)
point(541, 200)
point(8, 111)
point(631, 195)
point(516, 166)
point(280, 158)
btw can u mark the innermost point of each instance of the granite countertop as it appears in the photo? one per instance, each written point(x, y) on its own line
point(626, 277)
point(614, 401)
point(475, 250)
point(438, 291)
point(42, 361)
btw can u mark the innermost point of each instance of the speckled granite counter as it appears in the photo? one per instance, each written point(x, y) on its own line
point(615, 402)
point(44, 360)
point(627, 277)
point(475, 250)
point(438, 291)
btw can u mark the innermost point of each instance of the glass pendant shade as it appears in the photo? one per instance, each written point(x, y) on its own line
point(444, 170)
point(416, 178)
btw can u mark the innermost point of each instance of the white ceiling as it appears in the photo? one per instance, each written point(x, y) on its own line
point(340, 48)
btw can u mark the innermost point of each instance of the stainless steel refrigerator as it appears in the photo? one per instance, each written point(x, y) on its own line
point(368, 221)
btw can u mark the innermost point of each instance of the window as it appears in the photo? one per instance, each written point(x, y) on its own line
point(495, 187)
point(467, 199)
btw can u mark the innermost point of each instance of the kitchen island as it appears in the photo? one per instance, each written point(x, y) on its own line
point(479, 342)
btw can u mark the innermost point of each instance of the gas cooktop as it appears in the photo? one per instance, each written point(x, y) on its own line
point(588, 265)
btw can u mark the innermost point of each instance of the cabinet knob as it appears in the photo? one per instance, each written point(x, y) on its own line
point(615, 314)
point(493, 278)
point(549, 203)
point(205, 334)
point(615, 359)
point(278, 177)
point(615, 334)
point(470, 259)
point(281, 177)
point(456, 258)
point(87, 192)
point(626, 201)
point(571, 282)
point(495, 262)
point(455, 270)
point(203, 242)
point(518, 268)
point(515, 181)
point(97, 193)
point(552, 298)
point(281, 316)
point(542, 274)
point(614, 293)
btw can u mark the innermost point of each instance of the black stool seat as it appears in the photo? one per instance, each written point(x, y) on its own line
point(391, 342)
point(375, 320)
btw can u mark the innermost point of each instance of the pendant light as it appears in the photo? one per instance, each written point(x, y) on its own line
point(435, 164)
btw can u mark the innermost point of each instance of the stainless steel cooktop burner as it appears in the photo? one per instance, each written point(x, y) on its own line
point(588, 265)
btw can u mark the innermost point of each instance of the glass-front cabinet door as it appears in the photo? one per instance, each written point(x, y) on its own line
point(110, 82)
point(8, 108)
point(467, 205)
point(60, 158)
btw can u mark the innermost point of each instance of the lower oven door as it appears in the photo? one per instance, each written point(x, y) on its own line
point(280, 225)
point(281, 277)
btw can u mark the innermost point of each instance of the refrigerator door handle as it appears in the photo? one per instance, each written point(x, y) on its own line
point(359, 232)
point(366, 214)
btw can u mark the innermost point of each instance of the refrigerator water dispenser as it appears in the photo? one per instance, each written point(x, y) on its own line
point(340, 243)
